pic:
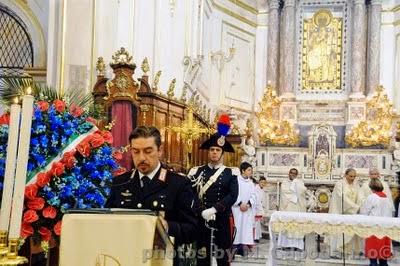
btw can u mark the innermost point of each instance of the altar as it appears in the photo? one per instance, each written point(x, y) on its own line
point(303, 224)
point(323, 110)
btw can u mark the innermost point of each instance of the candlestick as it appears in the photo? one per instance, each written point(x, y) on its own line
point(12, 257)
point(22, 164)
point(9, 174)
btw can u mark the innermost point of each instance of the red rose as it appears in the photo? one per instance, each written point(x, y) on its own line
point(30, 216)
point(31, 191)
point(75, 110)
point(69, 159)
point(92, 120)
point(26, 230)
point(57, 228)
point(117, 155)
point(43, 105)
point(107, 136)
point(35, 204)
point(49, 212)
point(5, 119)
point(43, 179)
point(83, 148)
point(119, 171)
point(57, 169)
point(45, 233)
point(97, 140)
point(59, 105)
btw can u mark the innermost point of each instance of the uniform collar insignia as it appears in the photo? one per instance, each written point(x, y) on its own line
point(163, 174)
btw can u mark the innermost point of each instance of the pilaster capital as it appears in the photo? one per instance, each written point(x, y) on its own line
point(273, 4)
point(289, 3)
point(376, 2)
point(359, 2)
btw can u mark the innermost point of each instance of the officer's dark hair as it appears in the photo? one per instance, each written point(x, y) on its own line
point(146, 132)
point(375, 184)
point(262, 178)
point(243, 166)
point(294, 169)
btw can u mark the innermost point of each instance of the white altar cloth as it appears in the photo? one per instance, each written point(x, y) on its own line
point(301, 223)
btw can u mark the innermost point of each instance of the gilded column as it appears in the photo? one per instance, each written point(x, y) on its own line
point(374, 35)
point(273, 43)
point(287, 52)
point(358, 56)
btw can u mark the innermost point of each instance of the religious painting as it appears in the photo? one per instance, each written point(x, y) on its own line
point(322, 52)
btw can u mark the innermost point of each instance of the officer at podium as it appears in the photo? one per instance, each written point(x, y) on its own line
point(217, 187)
point(150, 186)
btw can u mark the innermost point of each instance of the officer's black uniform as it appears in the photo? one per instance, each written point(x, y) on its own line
point(172, 194)
point(221, 195)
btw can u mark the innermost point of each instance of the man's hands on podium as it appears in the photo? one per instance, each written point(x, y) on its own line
point(209, 214)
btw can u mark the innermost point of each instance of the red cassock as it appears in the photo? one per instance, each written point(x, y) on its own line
point(378, 248)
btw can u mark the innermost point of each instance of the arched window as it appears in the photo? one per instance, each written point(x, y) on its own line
point(16, 50)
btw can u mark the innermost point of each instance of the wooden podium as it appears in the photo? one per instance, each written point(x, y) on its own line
point(114, 239)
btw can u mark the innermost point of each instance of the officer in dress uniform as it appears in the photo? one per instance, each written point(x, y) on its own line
point(150, 186)
point(217, 187)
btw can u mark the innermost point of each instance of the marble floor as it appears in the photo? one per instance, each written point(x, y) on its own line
point(259, 256)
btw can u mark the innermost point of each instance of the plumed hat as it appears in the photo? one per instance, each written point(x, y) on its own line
point(218, 139)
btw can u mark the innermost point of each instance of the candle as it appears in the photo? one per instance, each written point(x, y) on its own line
point(22, 164)
point(9, 175)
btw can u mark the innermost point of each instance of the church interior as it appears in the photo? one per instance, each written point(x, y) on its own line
point(310, 85)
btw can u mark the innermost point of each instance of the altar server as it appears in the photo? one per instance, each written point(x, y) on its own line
point(365, 190)
point(243, 209)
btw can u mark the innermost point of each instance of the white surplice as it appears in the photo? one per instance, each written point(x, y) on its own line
point(292, 198)
point(244, 220)
point(348, 194)
point(365, 191)
point(259, 211)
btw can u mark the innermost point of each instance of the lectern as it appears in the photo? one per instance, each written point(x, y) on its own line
point(128, 238)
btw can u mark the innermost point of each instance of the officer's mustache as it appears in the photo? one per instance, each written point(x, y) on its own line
point(142, 163)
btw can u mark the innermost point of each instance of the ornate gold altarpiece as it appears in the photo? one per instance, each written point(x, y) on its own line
point(322, 130)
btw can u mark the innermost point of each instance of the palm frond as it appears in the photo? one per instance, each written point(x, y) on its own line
point(16, 87)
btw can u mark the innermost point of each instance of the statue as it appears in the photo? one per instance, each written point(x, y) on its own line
point(249, 150)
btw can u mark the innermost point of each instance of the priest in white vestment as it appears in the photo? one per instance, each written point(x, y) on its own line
point(242, 210)
point(345, 201)
point(292, 198)
point(365, 190)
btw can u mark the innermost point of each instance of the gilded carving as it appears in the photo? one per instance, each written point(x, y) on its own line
point(376, 128)
point(145, 65)
point(321, 52)
point(156, 81)
point(272, 130)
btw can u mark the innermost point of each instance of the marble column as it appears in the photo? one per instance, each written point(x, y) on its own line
point(374, 38)
point(358, 56)
point(273, 44)
point(287, 53)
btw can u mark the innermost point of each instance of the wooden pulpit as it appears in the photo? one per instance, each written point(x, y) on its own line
point(114, 239)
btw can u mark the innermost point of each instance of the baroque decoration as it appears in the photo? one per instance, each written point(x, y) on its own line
point(71, 165)
point(272, 130)
point(376, 129)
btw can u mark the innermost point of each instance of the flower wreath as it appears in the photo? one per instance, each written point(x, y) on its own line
point(71, 164)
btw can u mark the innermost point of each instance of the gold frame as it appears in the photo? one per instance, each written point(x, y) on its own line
point(322, 21)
